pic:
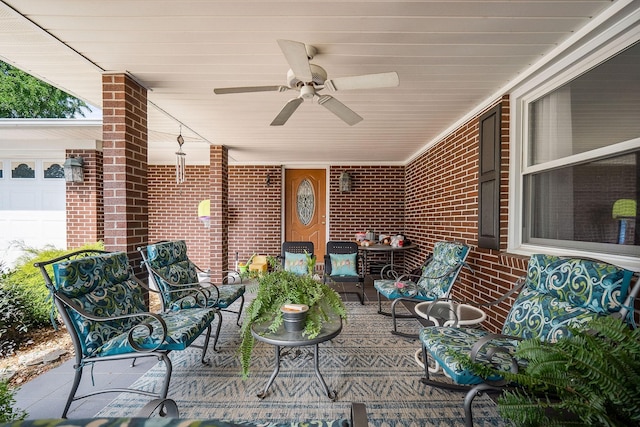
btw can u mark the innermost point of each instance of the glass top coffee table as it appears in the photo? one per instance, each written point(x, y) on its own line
point(283, 338)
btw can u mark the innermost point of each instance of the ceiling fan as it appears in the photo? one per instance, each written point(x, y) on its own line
point(309, 79)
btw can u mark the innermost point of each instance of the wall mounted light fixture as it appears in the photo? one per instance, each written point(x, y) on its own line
point(345, 182)
point(74, 169)
point(204, 213)
point(268, 180)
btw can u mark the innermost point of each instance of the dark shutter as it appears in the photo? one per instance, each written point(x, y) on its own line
point(489, 180)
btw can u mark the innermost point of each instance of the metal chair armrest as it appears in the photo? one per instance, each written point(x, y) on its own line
point(492, 351)
point(164, 407)
point(145, 324)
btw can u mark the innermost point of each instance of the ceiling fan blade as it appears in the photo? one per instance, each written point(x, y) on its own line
point(296, 55)
point(286, 112)
point(366, 81)
point(225, 90)
point(339, 109)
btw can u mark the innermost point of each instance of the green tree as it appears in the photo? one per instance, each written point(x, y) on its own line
point(24, 96)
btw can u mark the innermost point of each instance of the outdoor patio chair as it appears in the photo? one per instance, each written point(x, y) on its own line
point(294, 256)
point(556, 294)
point(342, 264)
point(177, 278)
point(434, 281)
point(102, 304)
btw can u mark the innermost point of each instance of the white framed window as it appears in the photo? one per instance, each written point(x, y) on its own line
point(575, 167)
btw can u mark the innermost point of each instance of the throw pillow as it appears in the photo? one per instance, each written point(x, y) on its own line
point(343, 265)
point(295, 263)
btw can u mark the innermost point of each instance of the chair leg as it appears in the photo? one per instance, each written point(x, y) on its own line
point(380, 306)
point(74, 388)
point(468, 401)
point(167, 378)
point(205, 346)
point(240, 310)
point(215, 340)
point(395, 316)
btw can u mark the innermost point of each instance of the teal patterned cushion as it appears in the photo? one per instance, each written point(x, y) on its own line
point(295, 263)
point(444, 343)
point(343, 264)
point(565, 292)
point(446, 257)
point(229, 294)
point(596, 286)
point(170, 261)
point(183, 327)
point(558, 293)
point(434, 282)
point(104, 286)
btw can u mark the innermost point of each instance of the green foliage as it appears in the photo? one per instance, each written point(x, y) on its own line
point(24, 96)
point(12, 321)
point(591, 378)
point(273, 262)
point(282, 287)
point(311, 263)
point(7, 400)
point(25, 297)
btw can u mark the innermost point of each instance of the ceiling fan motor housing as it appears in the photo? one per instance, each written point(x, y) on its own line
point(318, 74)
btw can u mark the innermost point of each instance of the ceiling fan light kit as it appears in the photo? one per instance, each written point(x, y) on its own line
point(309, 79)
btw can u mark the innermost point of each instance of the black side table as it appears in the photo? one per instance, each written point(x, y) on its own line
point(283, 338)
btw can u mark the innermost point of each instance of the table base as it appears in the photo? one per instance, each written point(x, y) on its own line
point(331, 394)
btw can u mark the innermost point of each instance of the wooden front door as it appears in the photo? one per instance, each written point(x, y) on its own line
point(306, 208)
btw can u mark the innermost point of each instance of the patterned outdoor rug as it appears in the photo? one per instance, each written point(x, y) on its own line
point(365, 363)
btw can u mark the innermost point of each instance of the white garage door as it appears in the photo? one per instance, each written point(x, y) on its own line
point(32, 206)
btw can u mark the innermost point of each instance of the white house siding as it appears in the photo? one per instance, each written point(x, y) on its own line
point(32, 210)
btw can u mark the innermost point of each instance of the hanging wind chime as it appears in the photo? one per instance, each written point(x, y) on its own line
point(180, 160)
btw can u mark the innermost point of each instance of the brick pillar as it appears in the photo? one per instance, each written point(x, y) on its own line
point(219, 196)
point(124, 132)
point(85, 204)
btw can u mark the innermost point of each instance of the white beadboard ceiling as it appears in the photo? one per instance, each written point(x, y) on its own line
point(451, 56)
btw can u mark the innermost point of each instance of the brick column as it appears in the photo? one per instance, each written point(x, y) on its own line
point(124, 132)
point(219, 196)
point(85, 204)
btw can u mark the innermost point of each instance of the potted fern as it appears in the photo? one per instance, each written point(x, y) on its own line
point(589, 378)
point(281, 287)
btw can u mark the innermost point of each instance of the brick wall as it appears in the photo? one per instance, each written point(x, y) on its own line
point(255, 211)
point(255, 208)
point(173, 209)
point(85, 208)
point(375, 203)
point(442, 204)
point(124, 132)
point(218, 195)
